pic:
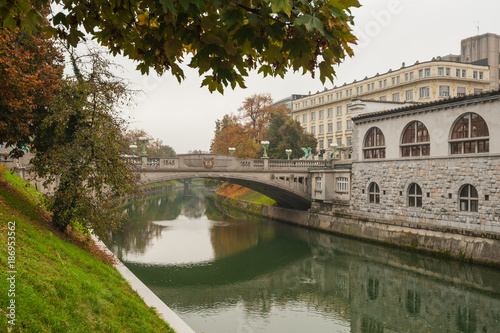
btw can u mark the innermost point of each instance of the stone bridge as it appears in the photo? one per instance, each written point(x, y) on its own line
point(288, 182)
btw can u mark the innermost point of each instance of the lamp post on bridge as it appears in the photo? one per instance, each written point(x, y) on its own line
point(133, 148)
point(288, 152)
point(231, 150)
point(264, 145)
point(333, 147)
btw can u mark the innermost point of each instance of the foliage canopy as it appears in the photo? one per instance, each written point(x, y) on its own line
point(223, 38)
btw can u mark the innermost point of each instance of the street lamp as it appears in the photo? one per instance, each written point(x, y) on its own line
point(264, 145)
point(142, 141)
point(231, 150)
point(133, 148)
point(288, 152)
point(333, 147)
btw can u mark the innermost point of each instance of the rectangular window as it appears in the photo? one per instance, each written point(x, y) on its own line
point(474, 75)
point(330, 142)
point(297, 118)
point(368, 87)
point(393, 81)
point(330, 127)
point(313, 129)
point(342, 184)
point(348, 108)
point(330, 112)
point(339, 126)
point(397, 79)
point(340, 94)
point(321, 129)
point(361, 89)
point(318, 183)
point(477, 91)
point(380, 84)
point(411, 76)
point(357, 90)
point(321, 114)
point(349, 124)
point(304, 118)
point(406, 77)
point(440, 71)
point(385, 83)
point(427, 72)
point(481, 76)
point(349, 141)
point(420, 73)
point(395, 97)
point(447, 71)
point(424, 92)
point(457, 72)
point(313, 116)
point(339, 110)
point(444, 91)
point(383, 98)
point(373, 86)
point(321, 145)
point(464, 73)
point(339, 142)
point(461, 91)
point(347, 93)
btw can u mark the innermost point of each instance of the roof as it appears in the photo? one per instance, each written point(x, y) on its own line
point(433, 104)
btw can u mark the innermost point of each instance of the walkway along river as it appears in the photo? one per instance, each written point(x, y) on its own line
point(247, 274)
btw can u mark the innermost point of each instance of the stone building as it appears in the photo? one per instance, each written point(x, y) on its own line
point(437, 163)
point(328, 114)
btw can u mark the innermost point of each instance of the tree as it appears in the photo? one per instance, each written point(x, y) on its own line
point(223, 38)
point(79, 142)
point(31, 70)
point(287, 133)
point(154, 147)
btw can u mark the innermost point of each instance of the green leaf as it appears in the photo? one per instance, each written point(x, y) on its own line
point(281, 6)
point(310, 22)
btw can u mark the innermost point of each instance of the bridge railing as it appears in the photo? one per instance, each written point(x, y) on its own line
point(287, 164)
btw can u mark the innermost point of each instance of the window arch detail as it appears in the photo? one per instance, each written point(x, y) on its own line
point(468, 199)
point(374, 144)
point(470, 135)
point(415, 140)
point(374, 193)
point(414, 195)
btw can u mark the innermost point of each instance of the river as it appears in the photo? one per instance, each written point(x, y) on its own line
point(247, 274)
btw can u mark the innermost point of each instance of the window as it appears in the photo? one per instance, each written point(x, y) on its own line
point(427, 72)
point(357, 90)
point(349, 124)
point(330, 127)
point(409, 95)
point(481, 76)
point(349, 141)
point(304, 118)
point(297, 118)
point(383, 98)
point(373, 85)
point(342, 184)
point(313, 129)
point(457, 73)
point(374, 193)
point(420, 73)
point(478, 90)
point(348, 108)
point(444, 91)
point(330, 112)
point(380, 84)
point(340, 94)
point(318, 183)
point(361, 89)
point(468, 199)
point(321, 144)
point(395, 97)
point(470, 135)
point(368, 87)
point(339, 126)
point(414, 195)
point(411, 76)
point(393, 81)
point(374, 144)
point(440, 71)
point(406, 77)
point(424, 92)
point(339, 110)
point(461, 91)
point(416, 140)
point(339, 142)
point(313, 116)
point(321, 129)
point(385, 83)
point(397, 80)
point(447, 72)
point(474, 75)
point(464, 73)
point(321, 114)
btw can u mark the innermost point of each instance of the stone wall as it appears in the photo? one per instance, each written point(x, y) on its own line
point(440, 180)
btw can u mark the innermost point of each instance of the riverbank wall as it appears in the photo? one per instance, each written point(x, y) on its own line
point(461, 244)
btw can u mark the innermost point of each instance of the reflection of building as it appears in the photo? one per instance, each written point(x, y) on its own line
point(436, 163)
point(328, 114)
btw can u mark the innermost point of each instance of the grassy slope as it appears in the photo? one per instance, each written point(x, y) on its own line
point(244, 194)
point(61, 287)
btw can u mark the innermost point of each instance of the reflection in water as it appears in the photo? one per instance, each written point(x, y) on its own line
point(271, 277)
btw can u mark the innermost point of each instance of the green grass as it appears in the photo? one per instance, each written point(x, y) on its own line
point(168, 182)
point(61, 287)
point(256, 197)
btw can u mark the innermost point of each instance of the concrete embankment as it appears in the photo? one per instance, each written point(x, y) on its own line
point(481, 247)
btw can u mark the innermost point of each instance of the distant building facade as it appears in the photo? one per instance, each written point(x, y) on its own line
point(328, 114)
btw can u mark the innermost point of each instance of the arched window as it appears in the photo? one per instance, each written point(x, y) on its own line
point(414, 195)
point(468, 198)
point(416, 140)
point(374, 145)
point(374, 193)
point(470, 135)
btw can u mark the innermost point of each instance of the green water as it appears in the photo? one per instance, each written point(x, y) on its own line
point(224, 274)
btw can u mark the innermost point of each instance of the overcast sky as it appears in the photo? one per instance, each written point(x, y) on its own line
point(389, 32)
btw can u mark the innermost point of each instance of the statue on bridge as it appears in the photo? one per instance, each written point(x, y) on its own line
point(307, 152)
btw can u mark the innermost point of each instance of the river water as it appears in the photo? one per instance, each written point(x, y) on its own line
point(246, 274)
